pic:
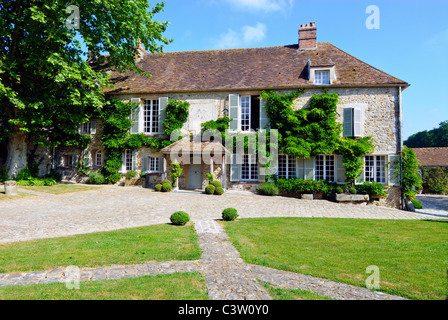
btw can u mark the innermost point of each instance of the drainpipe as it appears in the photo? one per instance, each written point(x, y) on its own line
point(400, 147)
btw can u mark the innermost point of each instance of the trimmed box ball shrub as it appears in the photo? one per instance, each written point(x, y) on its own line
point(352, 190)
point(219, 191)
point(417, 204)
point(179, 218)
point(217, 184)
point(229, 214)
point(158, 187)
point(339, 190)
point(166, 181)
point(210, 189)
point(167, 187)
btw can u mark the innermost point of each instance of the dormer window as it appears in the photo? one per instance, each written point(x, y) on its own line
point(321, 74)
point(322, 77)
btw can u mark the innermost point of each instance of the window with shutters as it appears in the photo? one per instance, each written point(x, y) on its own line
point(286, 167)
point(375, 169)
point(249, 168)
point(153, 164)
point(325, 168)
point(352, 122)
point(151, 116)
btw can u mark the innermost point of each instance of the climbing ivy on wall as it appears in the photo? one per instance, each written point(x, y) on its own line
point(116, 137)
point(313, 130)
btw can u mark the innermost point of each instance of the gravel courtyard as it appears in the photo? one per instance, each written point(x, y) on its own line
point(114, 207)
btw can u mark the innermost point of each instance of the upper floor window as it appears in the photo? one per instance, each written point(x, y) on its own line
point(247, 113)
point(322, 77)
point(151, 116)
point(87, 128)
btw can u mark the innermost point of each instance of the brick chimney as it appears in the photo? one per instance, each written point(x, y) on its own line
point(307, 36)
point(140, 51)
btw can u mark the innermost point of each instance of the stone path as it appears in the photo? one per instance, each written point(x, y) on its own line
point(112, 207)
point(434, 206)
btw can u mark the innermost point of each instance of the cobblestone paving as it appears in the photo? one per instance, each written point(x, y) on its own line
point(227, 276)
point(434, 206)
point(112, 207)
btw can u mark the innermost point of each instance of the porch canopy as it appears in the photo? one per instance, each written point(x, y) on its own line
point(191, 151)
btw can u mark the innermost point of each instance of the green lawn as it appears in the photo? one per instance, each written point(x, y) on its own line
point(412, 255)
point(292, 294)
point(177, 286)
point(60, 188)
point(3, 196)
point(128, 246)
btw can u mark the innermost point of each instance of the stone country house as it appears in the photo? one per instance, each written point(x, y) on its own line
point(220, 83)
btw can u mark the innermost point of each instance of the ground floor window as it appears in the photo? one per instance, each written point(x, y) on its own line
point(375, 169)
point(286, 167)
point(128, 160)
point(154, 165)
point(325, 167)
point(249, 168)
point(98, 159)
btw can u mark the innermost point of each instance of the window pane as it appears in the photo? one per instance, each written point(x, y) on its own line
point(291, 167)
point(320, 168)
point(329, 168)
point(282, 169)
point(245, 113)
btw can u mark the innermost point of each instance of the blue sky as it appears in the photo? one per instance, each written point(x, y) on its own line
point(411, 42)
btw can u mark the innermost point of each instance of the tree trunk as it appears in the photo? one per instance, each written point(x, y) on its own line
point(16, 159)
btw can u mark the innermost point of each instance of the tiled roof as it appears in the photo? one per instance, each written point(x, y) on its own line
point(186, 145)
point(240, 69)
point(432, 157)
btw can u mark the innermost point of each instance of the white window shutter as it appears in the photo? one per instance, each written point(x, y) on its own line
point(348, 122)
point(357, 122)
point(361, 178)
point(340, 169)
point(87, 158)
point(93, 127)
point(235, 168)
point(135, 116)
point(74, 161)
point(80, 129)
point(394, 170)
point(145, 167)
point(161, 164)
point(300, 168)
point(309, 168)
point(134, 160)
point(60, 161)
point(234, 106)
point(123, 165)
point(264, 119)
point(163, 103)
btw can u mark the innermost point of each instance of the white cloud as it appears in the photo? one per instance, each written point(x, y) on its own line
point(262, 5)
point(246, 36)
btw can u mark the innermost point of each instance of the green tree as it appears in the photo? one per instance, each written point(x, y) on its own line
point(437, 137)
point(46, 86)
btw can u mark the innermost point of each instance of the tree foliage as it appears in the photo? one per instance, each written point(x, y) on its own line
point(46, 86)
point(437, 137)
